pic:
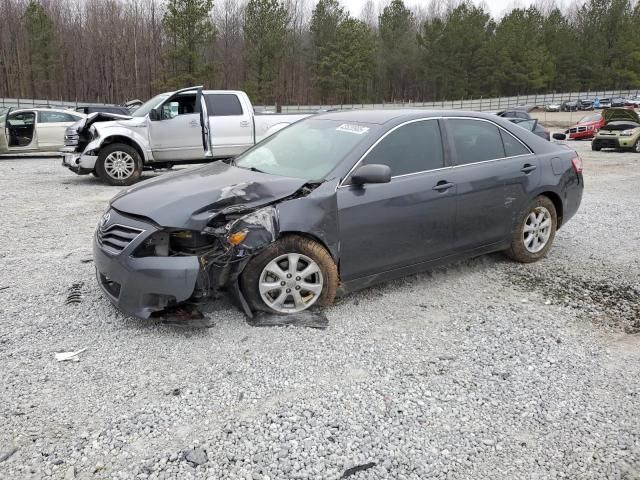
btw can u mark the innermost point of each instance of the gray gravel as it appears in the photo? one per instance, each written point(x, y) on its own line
point(484, 369)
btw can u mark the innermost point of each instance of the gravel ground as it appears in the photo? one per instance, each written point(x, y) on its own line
point(483, 369)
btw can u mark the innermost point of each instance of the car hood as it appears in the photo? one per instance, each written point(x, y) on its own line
point(618, 114)
point(190, 199)
point(105, 120)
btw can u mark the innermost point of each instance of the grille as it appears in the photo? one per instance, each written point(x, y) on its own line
point(116, 237)
point(607, 143)
point(71, 140)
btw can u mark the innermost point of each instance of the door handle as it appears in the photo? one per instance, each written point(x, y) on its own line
point(244, 123)
point(442, 186)
point(194, 123)
point(527, 169)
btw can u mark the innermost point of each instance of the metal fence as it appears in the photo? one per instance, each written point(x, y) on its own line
point(30, 102)
point(473, 104)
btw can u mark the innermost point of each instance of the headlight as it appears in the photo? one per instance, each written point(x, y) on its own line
point(255, 230)
point(626, 133)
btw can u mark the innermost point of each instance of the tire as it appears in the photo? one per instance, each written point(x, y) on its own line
point(95, 174)
point(261, 272)
point(595, 148)
point(636, 147)
point(526, 240)
point(119, 165)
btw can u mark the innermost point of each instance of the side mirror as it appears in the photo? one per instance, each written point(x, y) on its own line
point(373, 173)
point(559, 136)
point(154, 115)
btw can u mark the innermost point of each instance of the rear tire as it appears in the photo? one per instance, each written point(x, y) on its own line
point(262, 279)
point(119, 165)
point(534, 233)
point(595, 148)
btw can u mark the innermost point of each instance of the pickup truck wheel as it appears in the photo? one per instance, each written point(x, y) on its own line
point(534, 233)
point(119, 164)
point(290, 276)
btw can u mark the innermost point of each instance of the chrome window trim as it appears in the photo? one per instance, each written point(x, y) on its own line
point(344, 184)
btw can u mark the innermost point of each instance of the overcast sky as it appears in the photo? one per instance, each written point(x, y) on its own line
point(497, 7)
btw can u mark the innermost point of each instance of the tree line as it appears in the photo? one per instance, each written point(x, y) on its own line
point(313, 51)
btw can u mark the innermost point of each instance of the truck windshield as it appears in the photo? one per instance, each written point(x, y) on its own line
point(309, 149)
point(147, 106)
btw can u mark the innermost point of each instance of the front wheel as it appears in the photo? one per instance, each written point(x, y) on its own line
point(290, 276)
point(636, 147)
point(595, 148)
point(119, 164)
point(533, 236)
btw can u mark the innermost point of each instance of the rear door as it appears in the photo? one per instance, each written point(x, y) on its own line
point(231, 124)
point(494, 174)
point(176, 133)
point(51, 126)
point(406, 221)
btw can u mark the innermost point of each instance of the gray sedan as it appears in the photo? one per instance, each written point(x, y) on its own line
point(335, 203)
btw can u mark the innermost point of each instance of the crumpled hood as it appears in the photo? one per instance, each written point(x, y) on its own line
point(620, 114)
point(189, 199)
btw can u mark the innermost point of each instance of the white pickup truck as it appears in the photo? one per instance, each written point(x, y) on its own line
point(187, 126)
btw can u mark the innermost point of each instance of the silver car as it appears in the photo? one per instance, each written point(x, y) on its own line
point(30, 130)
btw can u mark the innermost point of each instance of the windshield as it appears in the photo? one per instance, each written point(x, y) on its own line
point(590, 118)
point(309, 149)
point(149, 105)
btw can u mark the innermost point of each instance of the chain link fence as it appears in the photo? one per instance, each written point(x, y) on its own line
point(30, 103)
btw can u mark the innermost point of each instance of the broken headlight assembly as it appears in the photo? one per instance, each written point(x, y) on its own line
point(165, 243)
point(248, 232)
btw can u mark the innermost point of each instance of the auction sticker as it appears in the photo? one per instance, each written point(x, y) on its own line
point(357, 129)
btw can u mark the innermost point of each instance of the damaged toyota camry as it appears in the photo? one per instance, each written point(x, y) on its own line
point(335, 203)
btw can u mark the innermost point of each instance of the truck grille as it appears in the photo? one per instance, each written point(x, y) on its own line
point(116, 237)
point(71, 140)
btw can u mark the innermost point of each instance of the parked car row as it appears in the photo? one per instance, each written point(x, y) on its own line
point(597, 103)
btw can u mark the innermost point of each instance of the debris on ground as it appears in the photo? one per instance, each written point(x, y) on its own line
point(300, 319)
point(73, 356)
point(358, 468)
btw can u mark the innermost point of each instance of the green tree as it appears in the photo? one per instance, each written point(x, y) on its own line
point(398, 52)
point(190, 31)
point(457, 57)
point(265, 34)
point(43, 51)
point(326, 19)
point(524, 65)
point(565, 52)
point(352, 60)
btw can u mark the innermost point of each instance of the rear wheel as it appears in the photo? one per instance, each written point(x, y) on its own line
point(535, 231)
point(119, 164)
point(290, 276)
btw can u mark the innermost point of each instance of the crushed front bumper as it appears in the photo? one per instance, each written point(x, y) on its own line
point(78, 162)
point(139, 286)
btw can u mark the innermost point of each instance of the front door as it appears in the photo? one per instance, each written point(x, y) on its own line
point(20, 131)
point(406, 221)
point(176, 134)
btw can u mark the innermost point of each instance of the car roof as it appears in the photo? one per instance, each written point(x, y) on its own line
point(45, 109)
point(382, 116)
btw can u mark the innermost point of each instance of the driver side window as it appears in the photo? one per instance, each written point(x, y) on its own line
point(182, 105)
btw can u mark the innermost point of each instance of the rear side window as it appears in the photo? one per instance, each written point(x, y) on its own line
point(223, 105)
point(512, 147)
point(475, 140)
point(53, 117)
point(415, 147)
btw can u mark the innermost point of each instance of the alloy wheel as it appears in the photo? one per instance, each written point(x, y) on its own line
point(119, 165)
point(537, 229)
point(291, 283)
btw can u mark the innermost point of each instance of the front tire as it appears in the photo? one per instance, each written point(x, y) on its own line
point(290, 276)
point(636, 147)
point(534, 234)
point(119, 165)
point(595, 148)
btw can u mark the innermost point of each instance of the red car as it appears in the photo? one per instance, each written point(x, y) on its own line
point(586, 127)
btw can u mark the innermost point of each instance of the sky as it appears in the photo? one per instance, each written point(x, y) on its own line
point(497, 7)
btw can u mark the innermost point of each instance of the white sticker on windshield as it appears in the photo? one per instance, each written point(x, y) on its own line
point(357, 129)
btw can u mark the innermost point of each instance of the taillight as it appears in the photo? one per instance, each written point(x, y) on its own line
point(577, 164)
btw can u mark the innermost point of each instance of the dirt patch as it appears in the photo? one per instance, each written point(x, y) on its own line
point(612, 302)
